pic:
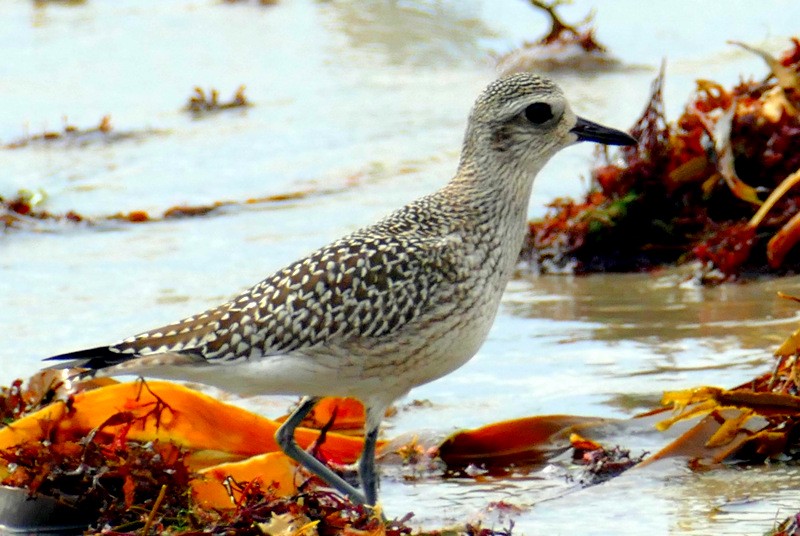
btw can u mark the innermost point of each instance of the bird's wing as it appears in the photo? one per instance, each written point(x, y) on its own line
point(361, 286)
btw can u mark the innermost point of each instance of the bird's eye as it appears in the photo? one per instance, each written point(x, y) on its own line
point(538, 113)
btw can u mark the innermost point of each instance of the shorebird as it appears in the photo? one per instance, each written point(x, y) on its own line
point(392, 306)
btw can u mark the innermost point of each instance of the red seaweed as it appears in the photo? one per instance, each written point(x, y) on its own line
point(690, 189)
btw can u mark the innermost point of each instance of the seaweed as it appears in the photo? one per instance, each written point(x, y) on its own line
point(136, 487)
point(123, 481)
point(564, 46)
point(601, 463)
point(561, 32)
point(73, 136)
point(25, 208)
point(201, 104)
point(691, 189)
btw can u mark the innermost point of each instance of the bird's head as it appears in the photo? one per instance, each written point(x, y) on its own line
point(524, 119)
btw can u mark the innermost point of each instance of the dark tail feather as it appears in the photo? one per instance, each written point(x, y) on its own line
point(92, 359)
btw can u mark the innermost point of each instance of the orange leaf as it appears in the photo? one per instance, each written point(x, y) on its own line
point(579, 442)
point(138, 216)
point(730, 429)
point(703, 442)
point(702, 400)
point(790, 346)
point(129, 490)
point(32, 427)
point(771, 443)
point(350, 413)
point(273, 468)
point(190, 419)
point(526, 440)
point(783, 241)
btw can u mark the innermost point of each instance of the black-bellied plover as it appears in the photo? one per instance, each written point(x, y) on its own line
point(392, 306)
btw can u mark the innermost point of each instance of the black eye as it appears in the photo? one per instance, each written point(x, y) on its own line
point(538, 113)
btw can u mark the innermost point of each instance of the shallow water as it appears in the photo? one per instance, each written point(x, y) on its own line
point(367, 101)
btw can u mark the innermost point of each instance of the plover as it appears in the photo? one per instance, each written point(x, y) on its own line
point(386, 308)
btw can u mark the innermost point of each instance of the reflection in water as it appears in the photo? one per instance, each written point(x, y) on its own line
point(430, 33)
point(634, 336)
point(661, 308)
point(633, 403)
point(727, 499)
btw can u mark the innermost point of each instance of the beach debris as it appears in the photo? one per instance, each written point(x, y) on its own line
point(716, 186)
point(26, 209)
point(71, 136)
point(565, 46)
point(202, 103)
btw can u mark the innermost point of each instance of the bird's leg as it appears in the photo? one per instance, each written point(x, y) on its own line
point(366, 465)
point(285, 438)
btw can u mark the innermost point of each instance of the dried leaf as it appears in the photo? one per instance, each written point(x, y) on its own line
point(725, 162)
point(783, 241)
point(781, 190)
point(696, 443)
point(764, 403)
point(689, 171)
point(790, 346)
point(787, 78)
point(289, 524)
point(694, 410)
point(729, 429)
point(774, 105)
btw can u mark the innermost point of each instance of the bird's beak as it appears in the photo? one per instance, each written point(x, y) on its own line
point(588, 131)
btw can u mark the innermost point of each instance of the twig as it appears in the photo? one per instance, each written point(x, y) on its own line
point(156, 506)
point(773, 198)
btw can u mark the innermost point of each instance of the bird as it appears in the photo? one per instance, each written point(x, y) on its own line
point(387, 308)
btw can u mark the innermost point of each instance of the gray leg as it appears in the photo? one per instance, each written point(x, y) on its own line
point(285, 438)
point(366, 467)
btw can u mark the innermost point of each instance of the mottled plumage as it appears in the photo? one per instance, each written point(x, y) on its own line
point(389, 307)
point(369, 284)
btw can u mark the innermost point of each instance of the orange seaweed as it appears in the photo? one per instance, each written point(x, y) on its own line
point(707, 442)
point(274, 469)
point(528, 440)
point(342, 413)
point(168, 412)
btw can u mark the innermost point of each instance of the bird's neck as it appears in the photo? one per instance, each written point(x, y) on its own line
point(498, 193)
point(493, 210)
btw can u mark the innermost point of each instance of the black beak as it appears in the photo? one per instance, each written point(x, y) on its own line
point(588, 131)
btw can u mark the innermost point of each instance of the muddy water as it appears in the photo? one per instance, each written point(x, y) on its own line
point(367, 101)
